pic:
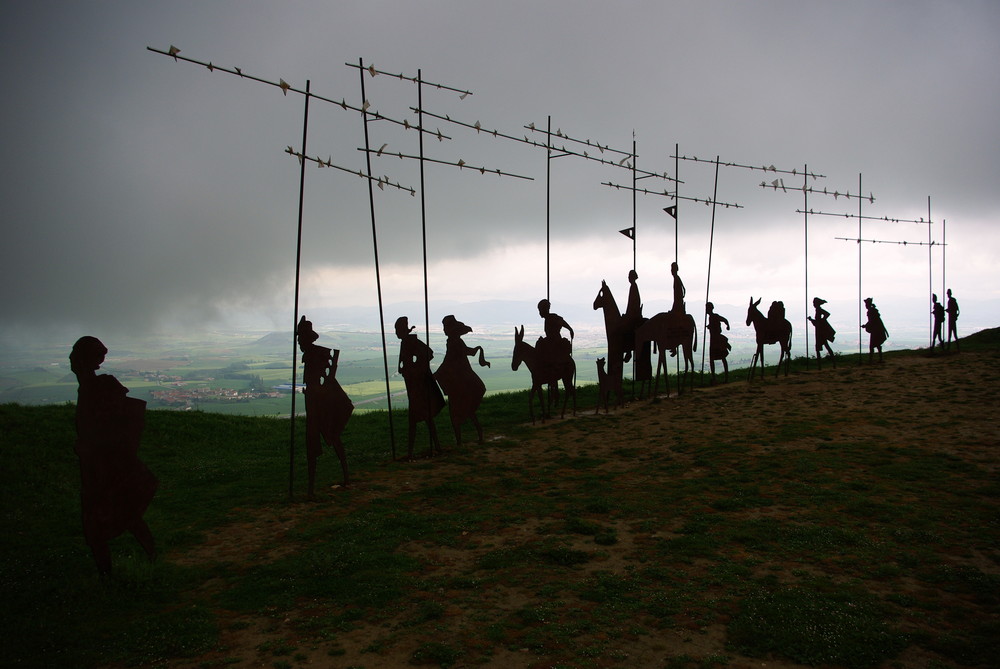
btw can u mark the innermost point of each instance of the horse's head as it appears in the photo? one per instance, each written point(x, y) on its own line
point(518, 356)
point(752, 309)
point(602, 295)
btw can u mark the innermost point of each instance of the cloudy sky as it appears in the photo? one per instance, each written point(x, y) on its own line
point(142, 194)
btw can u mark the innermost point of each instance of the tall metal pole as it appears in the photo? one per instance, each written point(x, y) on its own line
point(635, 162)
point(859, 269)
point(805, 227)
point(295, 320)
point(423, 208)
point(677, 200)
point(548, 197)
point(378, 275)
point(930, 278)
point(708, 281)
point(944, 257)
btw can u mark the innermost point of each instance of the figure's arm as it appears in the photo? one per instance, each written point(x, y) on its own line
point(567, 326)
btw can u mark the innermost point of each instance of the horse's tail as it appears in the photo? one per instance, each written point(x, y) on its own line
point(694, 329)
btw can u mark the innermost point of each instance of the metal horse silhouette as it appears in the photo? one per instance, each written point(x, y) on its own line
point(620, 331)
point(328, 408)
point(464, 388)
point(115, 486)
point(544, 372)
point(667, 331)
point(773, 329)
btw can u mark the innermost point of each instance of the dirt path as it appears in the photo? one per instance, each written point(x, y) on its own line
point(918, 399)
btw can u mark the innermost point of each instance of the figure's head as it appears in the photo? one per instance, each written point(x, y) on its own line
point(87, 354)
point(454, 327)
point(933, 297)
point(869, 302)
point(673, 268)
point(403, 327)
point(818, 301)
point(305, 332)
point(544, 307)
point(948, 292)
point(632, 276)
point(709, 307)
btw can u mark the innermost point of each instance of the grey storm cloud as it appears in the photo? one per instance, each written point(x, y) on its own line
point(138, 190)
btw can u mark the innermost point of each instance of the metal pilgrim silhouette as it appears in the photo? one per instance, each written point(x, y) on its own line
point(718, 346)
point(464, 388)
point(953, 312)
point(875, 329)
point(937, 311)
point(772, 329)
point(549, 362)
point(668, 330)
point(422, 392)
point(328, 408)
point(824, 331)
point(115, 486)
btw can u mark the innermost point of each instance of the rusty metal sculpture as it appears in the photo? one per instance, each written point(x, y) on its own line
point(115, 486)
point(422, 391)
point(719, 346)
point(875, 329)
point(772, 329)
point(464, 388)
point(328, 408)
point(667, 331)
point(824, 332)
point(953, 312)
point(546, 370)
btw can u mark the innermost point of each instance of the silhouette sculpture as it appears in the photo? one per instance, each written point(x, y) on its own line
point(328, 408)
point(422, 392)
point(719, 346)
point(937, 310)
point(875, 328)
point(620, 331)
point(668, 330)
point(544, 373)
point(464, 388)
point(824, 332)
point(679, 291)
point(603, 387)
point(773, 329)
point(953, 311)
point(115, 486)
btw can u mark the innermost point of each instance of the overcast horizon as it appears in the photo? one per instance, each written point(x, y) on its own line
point(145, 195)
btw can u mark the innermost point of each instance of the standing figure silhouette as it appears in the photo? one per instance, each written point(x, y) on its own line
point(115, 486)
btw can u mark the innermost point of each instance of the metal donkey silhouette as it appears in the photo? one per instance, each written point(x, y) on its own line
point(549, 361)
point(773, 329)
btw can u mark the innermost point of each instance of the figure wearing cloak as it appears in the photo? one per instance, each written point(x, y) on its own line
point(328, 408)
point(464, 388)
point(115, 486)
point(422, 391)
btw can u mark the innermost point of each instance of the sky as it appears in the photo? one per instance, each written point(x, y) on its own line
point(143, 195)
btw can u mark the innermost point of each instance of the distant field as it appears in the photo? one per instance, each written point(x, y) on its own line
point(228, 361)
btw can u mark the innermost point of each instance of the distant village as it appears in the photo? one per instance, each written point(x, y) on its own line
point(179, 396)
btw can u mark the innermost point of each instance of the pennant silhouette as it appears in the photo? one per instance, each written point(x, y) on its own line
point(628, 232)
point(672, 210)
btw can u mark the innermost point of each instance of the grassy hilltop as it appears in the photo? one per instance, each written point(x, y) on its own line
point(847, 517)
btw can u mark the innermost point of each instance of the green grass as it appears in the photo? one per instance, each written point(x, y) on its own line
point(815, 549)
